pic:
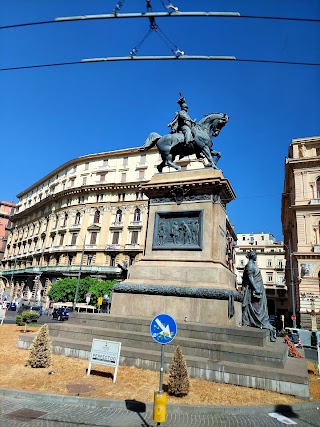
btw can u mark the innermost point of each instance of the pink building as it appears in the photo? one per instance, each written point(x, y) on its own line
point(6, 210)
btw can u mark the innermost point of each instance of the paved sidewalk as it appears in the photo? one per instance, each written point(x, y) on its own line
point(27, 409)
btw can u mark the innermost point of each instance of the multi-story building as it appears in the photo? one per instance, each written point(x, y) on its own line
point(89, 212)
point(272, 264)
point(301, 228)
point(6, 210)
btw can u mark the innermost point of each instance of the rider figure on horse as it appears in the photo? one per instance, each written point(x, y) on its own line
point(182, 121)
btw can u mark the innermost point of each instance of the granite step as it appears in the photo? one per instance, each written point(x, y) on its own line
point(274, 354)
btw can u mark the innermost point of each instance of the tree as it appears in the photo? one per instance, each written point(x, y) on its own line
point(178, 384)
point(64, 290)
point(40, 349)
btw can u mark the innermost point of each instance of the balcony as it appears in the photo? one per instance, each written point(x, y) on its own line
point(65, 269)
point(279, 267)
point(116, 224)
point(135, 224)
point(132, 246)
point(112, 247)
point(314, 202)
point(141, 166)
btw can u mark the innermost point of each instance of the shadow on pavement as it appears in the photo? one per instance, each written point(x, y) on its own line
point(286, 410)
point(138, 407)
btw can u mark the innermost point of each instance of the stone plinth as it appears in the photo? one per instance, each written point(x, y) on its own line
point(183, 271)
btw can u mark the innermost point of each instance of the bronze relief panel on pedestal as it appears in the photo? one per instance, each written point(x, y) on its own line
point(178, 230)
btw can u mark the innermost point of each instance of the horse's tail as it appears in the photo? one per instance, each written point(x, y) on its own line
point(150, 141)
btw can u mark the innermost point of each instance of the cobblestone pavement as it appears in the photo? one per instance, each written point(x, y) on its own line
point(22, 409)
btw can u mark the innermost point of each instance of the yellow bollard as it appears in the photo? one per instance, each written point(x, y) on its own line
point(159, 406)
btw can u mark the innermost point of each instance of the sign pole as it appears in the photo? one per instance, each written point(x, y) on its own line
point(161, 368)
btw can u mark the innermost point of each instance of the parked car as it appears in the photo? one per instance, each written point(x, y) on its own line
point(60, 314)
point(12, 306)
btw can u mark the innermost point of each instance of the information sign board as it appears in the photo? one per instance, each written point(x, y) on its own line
point(105, 353)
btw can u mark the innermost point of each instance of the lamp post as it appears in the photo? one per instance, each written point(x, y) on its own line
point(293, 317)
point(79, 273)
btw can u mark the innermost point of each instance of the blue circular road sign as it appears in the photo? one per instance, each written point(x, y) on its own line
point(163, 328)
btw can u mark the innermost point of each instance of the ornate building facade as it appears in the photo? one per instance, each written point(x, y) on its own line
point(272, 264)
point(301, 228)
point(89, 213)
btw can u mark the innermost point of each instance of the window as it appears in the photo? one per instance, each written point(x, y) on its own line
point(112, 261)
point(56, 221)
point(89, 259)
point(269, 262)
point(262, 237)
point(72, 181)
point(119, 215)
point(99, 197)
point(318, 188)
point(132, 259)
point(141, 175)
point(280, 280)
point(61, 239)
point(243, 238)
point(65, 220)
point(280, 264)
point(86, 166)
point(70, 259)
point(77, 219)
point(125, 161)
point(137, 215)
point(102, 177)
point(81, 199)
point(115, 237)
point(123, 177)
point(93, 238)
point(270, 277)
point(139, 196)
point(96, 218)
point(68, 202)
point(84, 180)
point(74, 238)
point(105, 162)
point(318, 151)
point(134, 237)
point(143, 159)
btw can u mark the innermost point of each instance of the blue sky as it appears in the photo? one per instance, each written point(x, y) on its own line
point(49, 116)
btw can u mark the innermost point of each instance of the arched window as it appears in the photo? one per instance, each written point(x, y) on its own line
point(77, 218)
point(56, 221)
point(65, 220)
point(137, 215)
point(96, 218)
point(119, 215)
point(318, 188)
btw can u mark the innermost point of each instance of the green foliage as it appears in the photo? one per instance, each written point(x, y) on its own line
point(40, 349)
point(178, 383)
point(27, 317)
point(64, 290)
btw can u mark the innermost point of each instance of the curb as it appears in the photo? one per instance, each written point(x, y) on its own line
point(122, 404)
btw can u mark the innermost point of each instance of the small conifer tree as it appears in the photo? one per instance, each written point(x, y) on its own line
point(178, 384)
point(40, 349)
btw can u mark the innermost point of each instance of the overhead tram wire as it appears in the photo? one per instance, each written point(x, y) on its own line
point(161, 58)
point(157, 15)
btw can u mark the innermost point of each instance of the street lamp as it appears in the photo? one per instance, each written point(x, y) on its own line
point(79, 273)
point(293, 317)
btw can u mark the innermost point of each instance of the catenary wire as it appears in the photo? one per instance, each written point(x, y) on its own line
point(152, 58)
point(277, 18)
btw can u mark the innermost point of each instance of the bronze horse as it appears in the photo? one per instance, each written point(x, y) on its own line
point(172, 145)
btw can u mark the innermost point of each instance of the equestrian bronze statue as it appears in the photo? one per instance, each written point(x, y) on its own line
point(187, 137)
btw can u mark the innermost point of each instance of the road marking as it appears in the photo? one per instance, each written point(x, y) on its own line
point(281, 418)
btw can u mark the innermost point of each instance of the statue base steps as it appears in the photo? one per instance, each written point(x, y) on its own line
point(241, 356)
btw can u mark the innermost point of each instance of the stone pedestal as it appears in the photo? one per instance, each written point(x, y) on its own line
point(184, 271)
